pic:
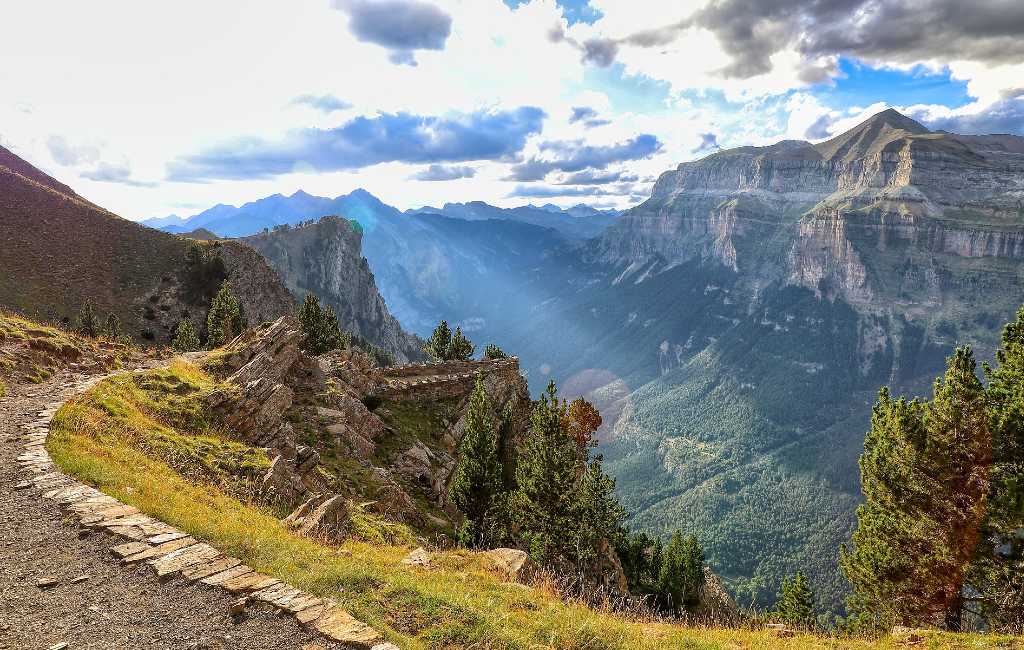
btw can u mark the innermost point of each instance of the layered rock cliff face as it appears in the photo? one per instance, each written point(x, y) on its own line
point(338, 425)
point(887, 217)
point(325, 258)
point(734, 329)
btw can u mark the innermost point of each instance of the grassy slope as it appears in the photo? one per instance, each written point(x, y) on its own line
point(101, 438)
point(68, 250)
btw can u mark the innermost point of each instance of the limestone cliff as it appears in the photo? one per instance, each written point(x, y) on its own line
point(325, 258)
point(889, 217)
point(734, 329)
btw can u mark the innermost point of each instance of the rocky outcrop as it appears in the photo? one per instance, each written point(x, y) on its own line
point(258, 365)
point(325, 258)
point(515, 564)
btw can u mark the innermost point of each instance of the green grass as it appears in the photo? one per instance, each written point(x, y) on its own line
point(104, 438)
point(30, 351)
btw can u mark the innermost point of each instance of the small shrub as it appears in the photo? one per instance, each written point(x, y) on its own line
point(186, 339)
point(371, 401)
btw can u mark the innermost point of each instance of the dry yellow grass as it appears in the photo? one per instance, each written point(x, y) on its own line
point(459, 603)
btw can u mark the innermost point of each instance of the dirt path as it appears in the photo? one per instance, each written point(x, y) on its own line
point(97, 602)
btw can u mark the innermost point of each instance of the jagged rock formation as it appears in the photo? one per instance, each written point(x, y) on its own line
point(58, 250)
point(257, 365)
point(340, 431)
point(325, 258)
point(273, 388)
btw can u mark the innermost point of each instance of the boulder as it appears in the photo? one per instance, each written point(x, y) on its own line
point(282, 481)
point(515, 564)
point(322, 517)
point(419, 557)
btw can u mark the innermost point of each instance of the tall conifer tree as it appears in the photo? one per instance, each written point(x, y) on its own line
point(477, 479)
point(924, 474)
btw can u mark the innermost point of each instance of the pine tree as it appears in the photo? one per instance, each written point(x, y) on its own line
point(319, 326)
point(492, 351)
point(997, 573)
point(88, 323)
point(310, 315)
point(598, 513)
point(547, 470)
point(670, 575)
point(657, 557)
point(112, 327)
point(924, 478)
point(693, 573)
point(795, 605)
point(437, 345)
point(333, 336)
point(224, 320)
point(461, 349)
point(186, 339)
point(477, 479)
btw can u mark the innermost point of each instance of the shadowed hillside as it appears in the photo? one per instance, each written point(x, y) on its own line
point(57, 250)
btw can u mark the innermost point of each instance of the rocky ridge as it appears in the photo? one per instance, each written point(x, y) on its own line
point(271, 385)
point(325, 258)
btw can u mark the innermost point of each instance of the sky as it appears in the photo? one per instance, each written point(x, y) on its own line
point(150, 109)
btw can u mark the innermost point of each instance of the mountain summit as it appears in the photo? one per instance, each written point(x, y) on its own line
point(871, 135)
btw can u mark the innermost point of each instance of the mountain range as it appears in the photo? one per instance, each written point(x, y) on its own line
point(735, 327)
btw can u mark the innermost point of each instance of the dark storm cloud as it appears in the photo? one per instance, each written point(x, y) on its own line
point(325, 103)
point(575, 156)
point(599, 51)
point(444, 173)
point(401, 26)
point(365, 141)
point(751, 31)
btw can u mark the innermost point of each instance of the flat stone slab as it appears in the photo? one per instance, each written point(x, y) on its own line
point(205, 569)
point(177, 560)
point(160, 550)
point(337, 624)
point(131, 548)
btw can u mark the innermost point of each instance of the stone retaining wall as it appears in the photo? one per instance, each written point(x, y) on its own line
point(171, 552)
point(436, 381)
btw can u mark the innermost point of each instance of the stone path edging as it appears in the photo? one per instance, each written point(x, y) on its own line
point(173, 553)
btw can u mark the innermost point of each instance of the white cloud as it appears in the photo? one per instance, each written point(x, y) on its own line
point(125, 87)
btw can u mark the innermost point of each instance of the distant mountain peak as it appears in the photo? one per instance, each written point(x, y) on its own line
point(894, 119)
point(870, 136)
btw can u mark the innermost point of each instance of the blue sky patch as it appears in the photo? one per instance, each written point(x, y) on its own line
point(862, 85)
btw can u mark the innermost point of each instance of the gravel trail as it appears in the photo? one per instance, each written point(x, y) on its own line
point(97, 602)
